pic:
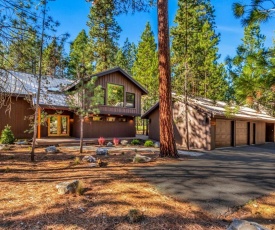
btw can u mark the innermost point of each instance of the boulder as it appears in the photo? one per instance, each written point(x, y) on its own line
point(109, 144)
point(67, 187)
point(156, 144)
point(245, 225)
point(51, 149)
point(124, 142)
point(102, 151)
point(141, 159)
point(90, 159)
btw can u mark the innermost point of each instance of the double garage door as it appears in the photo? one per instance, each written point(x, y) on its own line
point(226, 134)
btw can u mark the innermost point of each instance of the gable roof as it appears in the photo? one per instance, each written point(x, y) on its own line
point(113, 70)
point(218, 109)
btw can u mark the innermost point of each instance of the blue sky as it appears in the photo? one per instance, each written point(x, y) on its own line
point(72, 14)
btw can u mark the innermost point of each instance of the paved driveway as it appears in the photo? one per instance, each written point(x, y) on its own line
point(218, 180)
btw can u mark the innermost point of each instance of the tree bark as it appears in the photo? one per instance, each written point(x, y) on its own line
point(167, 140)
point(81, 134)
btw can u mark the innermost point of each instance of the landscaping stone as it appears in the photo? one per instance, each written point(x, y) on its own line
point(141, 159)
point(21, 143)
point(102, 151)
point(109, 144)
point(245, 225)
point(51, 149)
point(157, 145)
point(124, 142)
point(67, 187)
point(2, 147)
point(89, 159)
point(92, 165)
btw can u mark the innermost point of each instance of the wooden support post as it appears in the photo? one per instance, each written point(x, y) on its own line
point(39, 124)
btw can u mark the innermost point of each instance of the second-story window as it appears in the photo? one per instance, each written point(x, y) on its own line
point(130, 100)
point(115, 95)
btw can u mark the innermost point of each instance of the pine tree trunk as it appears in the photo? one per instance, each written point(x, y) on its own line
point(167, 140)
point(81, 135)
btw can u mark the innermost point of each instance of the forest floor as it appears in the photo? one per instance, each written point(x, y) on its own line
point(112, 196)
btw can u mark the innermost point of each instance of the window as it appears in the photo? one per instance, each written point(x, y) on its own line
point(122, 119)
point(97, 118)
point(111, 119)
point(115, 95)
point(130, 100)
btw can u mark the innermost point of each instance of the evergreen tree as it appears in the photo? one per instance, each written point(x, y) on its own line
point(104, 34)
point(249, 68)
point(80, 56)
point(126, 56)
point(145, 68)
point(54, 60)
point(195, 51)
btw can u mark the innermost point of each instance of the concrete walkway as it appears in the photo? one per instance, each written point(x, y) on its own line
point(219, 180)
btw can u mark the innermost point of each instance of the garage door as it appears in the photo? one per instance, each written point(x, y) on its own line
point(241, 133)
point(223, 133)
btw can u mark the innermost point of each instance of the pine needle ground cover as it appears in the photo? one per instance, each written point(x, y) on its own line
point(29, 199)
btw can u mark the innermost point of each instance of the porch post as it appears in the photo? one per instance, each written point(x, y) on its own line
point(39, 124)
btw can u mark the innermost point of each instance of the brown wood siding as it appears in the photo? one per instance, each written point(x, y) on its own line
point(223, 133)
point(241, 133)
point(199, 127)
point(44, 126)
point(95, 129)
point(20, 109)
point(154, 132)
point(119, 79)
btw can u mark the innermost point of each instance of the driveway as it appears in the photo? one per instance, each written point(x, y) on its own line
point(220, 179)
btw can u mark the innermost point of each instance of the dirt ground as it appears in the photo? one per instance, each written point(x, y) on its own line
point(29, 199)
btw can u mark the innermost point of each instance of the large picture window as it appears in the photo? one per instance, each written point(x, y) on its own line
point(130, 100)
point(115, 95)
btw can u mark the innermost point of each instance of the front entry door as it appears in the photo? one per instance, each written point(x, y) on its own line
point(58, 125)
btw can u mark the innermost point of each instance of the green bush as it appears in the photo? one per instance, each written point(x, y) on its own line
point(149, 143)
point(135, 142)
point(7, 136)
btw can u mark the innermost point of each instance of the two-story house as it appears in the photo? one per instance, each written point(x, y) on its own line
point(116, 117)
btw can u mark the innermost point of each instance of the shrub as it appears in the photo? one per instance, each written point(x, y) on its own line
point(77, 161)
point(135, 215)
point(149, 143)
point(116, 141)
point(7, 136)
point(101, 140)
point(135, 142)
point(80, 188)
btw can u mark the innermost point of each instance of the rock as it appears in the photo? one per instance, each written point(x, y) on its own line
point(51, 149)
point(109, 144)
point(21, 143)
point(92, 165)
point(124, 142)
point(102, 151)
point(157, 145)
point(245, 225)
point(67, 187)
point(2, 147)
point(141, 159)
point(89, 159)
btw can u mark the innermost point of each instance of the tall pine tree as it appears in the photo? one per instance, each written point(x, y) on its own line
point(104, 34)
point(80, 56)
point(195, 51)
point(250, 67)
point(126, 56)
point(145, 68)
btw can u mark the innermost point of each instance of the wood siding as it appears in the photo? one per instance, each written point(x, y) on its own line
point(20, 110)
point(119, 79)
point(95, 129)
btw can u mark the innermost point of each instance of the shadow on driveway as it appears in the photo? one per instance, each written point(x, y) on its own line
point(219, 180)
